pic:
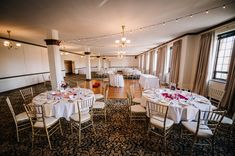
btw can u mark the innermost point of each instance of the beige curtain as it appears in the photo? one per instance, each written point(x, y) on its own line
point(151, 62)
point(175, 62)
point(200, 81)
point(140, 62)
point(144, 63)
point(228, 100)
point(161, 55)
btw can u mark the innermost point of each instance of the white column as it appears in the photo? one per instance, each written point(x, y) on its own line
point(88, 66)
point(103, 63)
point(99, 63)
point(54, 58)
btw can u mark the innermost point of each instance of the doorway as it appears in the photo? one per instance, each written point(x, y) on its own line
point(68, 65)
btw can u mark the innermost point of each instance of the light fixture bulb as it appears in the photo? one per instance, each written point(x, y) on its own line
point(66, 53)
point(207, 11)
point(123, 39)
point(117, 41)
point(224, 6)
point(6, 43)
point(18, 44)
point(128, 41)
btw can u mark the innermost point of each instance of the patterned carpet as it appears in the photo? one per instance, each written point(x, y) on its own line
point(115, 138)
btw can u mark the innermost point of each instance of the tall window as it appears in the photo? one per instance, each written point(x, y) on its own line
point(223, 56)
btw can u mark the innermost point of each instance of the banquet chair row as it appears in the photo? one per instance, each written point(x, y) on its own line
point(204, 127)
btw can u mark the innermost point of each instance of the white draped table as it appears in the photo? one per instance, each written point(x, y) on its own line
point(62, 104)
point(149, 81)
point(116, 80)
point(183, 105)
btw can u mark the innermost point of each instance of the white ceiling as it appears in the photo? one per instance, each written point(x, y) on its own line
point(29, 20)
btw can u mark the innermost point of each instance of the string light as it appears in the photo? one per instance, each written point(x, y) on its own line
point(150, 26)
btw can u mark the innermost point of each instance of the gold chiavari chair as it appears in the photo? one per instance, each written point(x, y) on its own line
point(215, 96)
point(21, 120)
point(136, 111)
point(83, 117)
point(204, 127)
point(132, 93)
point(27, 94)
point(100, 96)
point(99, 107)
point(159, 124)
point(42, 125)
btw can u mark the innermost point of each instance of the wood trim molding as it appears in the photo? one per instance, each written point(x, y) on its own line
point(52, 42)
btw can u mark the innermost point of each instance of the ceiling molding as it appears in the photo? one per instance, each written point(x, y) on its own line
point(196, 33)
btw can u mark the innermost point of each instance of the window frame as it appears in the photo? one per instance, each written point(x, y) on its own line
point(219, 37)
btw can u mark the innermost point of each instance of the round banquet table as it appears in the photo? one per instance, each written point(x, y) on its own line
point(183, 105)
point(116, 80)
point(62, 104)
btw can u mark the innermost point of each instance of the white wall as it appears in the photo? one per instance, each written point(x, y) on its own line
point(126, 61)
point(27, 59)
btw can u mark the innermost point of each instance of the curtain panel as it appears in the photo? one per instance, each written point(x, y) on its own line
point(144, 63)
point(140, 62)
point(161, 56)
point(228, 100)
point(175, 62)
point(151, 61)
point(200, 81)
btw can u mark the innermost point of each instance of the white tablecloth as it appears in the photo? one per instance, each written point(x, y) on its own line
point(148, 81)
point(179, 109)
point(116, 80)
point(62, 104)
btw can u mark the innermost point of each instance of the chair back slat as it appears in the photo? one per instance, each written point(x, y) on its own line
point(212, 119)
point(158, 109)
point(86, 104)
point(27, 94)
point(35, 113)
point(215, 93)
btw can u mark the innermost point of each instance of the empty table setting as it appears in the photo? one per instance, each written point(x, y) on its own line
point(149, 81)
point(183, 105)
point(62, 103)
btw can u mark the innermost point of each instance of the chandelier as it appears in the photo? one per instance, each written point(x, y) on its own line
point(123, 41)
point(10, 44)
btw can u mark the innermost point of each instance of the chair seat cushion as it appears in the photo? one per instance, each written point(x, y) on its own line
point(49, 121)
point(204, 130)
point(136, 100)
point(99, 96)
point(159, 122)
point(137, 109)
point(21, 117)
point(98, 105)
point(84, 117)
point(227, 120)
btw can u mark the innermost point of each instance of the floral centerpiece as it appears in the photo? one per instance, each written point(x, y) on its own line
point(176, 96)
point(96, 85)
point(63, 85)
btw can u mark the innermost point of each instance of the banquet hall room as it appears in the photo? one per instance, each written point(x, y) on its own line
point(117, 77)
